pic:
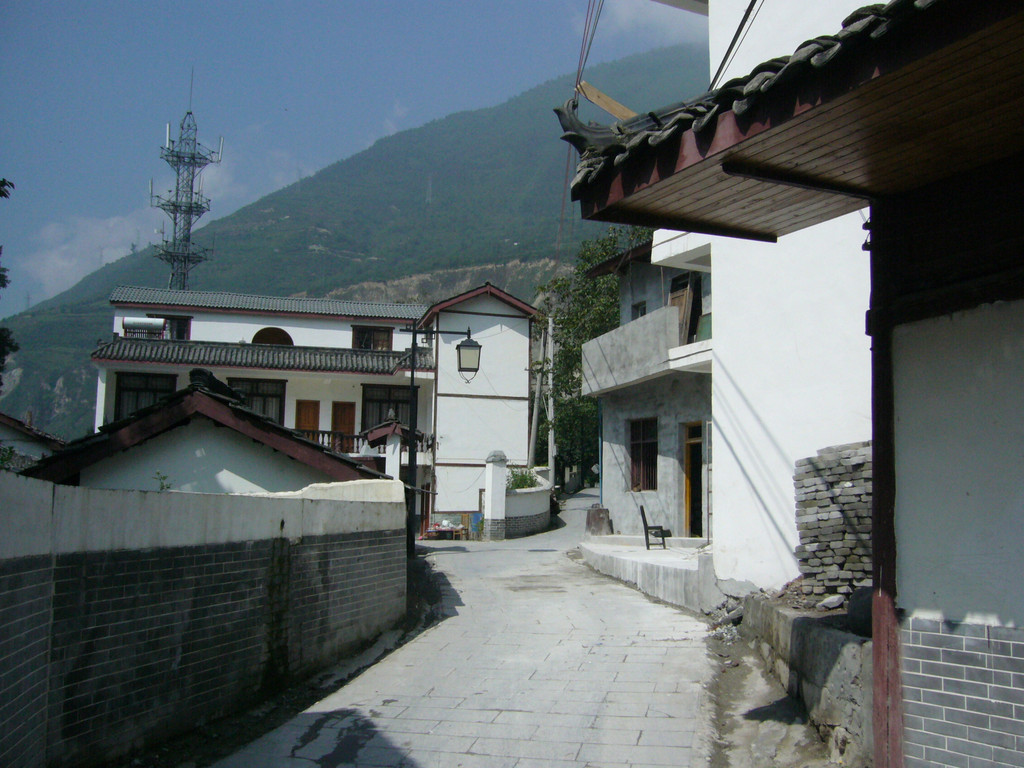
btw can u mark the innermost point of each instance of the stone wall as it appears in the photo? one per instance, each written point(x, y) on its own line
point(134, 616)
point(833, 519)
point(828, 669)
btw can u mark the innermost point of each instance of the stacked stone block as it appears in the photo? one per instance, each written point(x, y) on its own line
point(833, 519)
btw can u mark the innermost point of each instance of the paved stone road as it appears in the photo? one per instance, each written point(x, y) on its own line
point(540, 662)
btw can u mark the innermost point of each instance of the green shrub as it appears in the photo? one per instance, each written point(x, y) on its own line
point(520, 477)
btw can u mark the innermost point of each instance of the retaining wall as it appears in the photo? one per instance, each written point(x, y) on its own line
point(833, 519)
point(527, 510)
point(828, 669)
point(132, 616)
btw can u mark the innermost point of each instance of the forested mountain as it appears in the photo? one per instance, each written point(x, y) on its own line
point(478, 190)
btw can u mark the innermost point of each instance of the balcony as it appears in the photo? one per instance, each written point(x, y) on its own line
point(341, 442)
point(646, 348)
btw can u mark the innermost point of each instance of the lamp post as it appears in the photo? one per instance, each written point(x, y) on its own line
point(467, 353)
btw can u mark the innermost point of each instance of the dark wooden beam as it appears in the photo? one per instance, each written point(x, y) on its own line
point(642, 218)
point(791, 179)
point(887, 709)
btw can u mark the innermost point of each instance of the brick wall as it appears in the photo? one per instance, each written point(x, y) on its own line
point(155, 641)
point(525, 525)
point(104, 650)
point(963, 694)
point(833, 519)
point(25, 601)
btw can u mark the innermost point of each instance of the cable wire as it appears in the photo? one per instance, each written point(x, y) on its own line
point(734, 43)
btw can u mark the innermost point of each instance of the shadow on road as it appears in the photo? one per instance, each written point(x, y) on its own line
point(345, 737)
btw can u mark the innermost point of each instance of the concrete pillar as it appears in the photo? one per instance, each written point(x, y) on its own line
point(494, 496)
point(393, 455)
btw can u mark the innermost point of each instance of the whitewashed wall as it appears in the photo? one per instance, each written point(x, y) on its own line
point(305, 331)
point(489, 413)
point(791, 365)
point(959, 386)
point(202, 458)
point(22, 443)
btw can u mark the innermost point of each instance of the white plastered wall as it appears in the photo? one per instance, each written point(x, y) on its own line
point(791, 375)
point(489, 413)
point(791, 363)
point(233, 327)
point(959, 448)
point(201, 457)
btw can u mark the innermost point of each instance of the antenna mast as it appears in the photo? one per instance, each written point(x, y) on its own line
point(184, 204)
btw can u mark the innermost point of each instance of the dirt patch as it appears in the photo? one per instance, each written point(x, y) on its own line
point(754, 722)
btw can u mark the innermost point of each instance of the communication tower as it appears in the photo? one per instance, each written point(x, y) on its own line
point(185, 203)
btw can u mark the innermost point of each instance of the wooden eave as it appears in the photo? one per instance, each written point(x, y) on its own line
point(942, 98)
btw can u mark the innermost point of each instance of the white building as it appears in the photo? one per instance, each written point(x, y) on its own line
point(652, 376)
point(789, 363)
point(333, 369)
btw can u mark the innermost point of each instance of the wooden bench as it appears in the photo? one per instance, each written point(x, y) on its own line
point(653, 531)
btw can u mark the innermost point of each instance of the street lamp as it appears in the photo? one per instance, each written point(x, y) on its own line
point(468, 353)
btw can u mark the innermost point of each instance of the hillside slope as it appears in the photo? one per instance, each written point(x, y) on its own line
point(473, 189)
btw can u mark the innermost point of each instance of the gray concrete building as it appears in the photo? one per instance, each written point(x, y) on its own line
point(652, 376)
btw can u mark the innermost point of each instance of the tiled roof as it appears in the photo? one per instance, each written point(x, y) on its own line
point(264, 356)
point(603, 148)
point(129, 294)
point(169, 411)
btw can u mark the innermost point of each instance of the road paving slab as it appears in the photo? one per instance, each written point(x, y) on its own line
point(537, 661)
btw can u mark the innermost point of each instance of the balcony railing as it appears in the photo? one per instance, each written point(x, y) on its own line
point(342, 442)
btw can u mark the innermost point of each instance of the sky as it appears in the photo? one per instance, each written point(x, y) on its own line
point(87, 89)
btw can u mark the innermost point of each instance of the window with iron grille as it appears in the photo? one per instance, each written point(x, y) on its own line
point(136, 391)
point(643, 454)
point(380, 399)
point(265, 396)
point(366, 337)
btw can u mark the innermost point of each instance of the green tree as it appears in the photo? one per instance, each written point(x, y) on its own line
point(7, 343)
point(583, 308)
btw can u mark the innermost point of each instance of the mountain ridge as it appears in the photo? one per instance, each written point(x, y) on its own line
point(427, 209)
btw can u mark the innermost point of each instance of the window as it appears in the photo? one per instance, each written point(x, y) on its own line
point(138, 390)
point(378, 400)
point(265, 396)
point(277, 336)
point(643, 454)
point(639, 310)
point(366, 337)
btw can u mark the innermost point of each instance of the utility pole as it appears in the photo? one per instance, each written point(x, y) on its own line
point(552, 450)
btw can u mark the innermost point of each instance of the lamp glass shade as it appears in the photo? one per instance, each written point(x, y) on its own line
point(468, 351)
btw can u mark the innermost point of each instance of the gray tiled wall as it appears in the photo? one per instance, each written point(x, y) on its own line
point(25, 600)
point(140, 644)
point(963, 692)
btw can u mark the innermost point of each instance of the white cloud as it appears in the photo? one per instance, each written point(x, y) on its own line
point(71, 249)
point(654, 22)
point(394, 117)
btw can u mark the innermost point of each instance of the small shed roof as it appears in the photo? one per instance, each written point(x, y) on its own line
point(179, 408)
point(52, 442)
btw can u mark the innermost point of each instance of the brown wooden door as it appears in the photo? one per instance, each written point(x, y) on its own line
point(307, 417)
point(343, 420)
